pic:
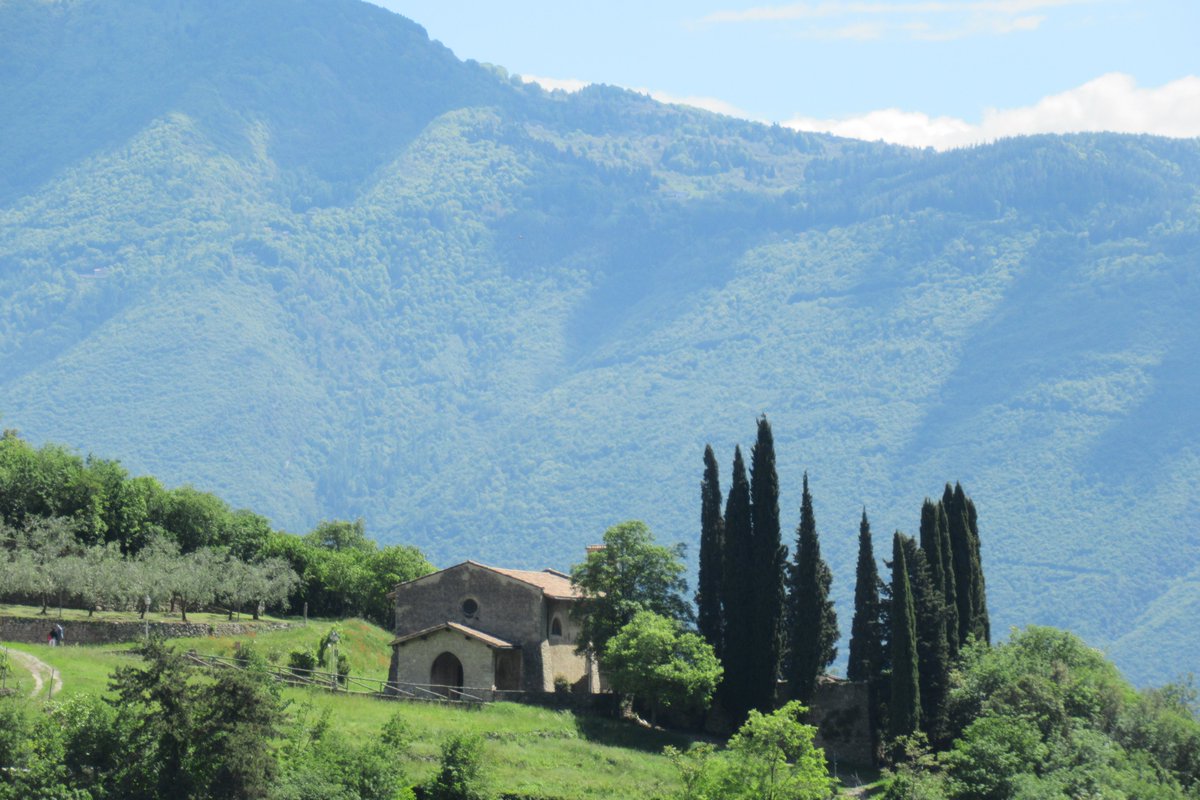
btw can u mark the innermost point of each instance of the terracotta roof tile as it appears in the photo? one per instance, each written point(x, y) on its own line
point(554, 583)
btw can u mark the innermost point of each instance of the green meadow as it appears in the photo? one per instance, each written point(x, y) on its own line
point(529, 751)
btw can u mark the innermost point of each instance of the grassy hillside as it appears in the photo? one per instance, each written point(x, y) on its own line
point(322, 267)
point(528, 751)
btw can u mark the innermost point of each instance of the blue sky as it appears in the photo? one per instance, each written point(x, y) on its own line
point(941, 72)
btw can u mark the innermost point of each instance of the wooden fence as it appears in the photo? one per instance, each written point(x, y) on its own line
point(386, 690)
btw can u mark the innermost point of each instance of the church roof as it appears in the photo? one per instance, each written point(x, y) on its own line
point(488, 639)
point(553, 583)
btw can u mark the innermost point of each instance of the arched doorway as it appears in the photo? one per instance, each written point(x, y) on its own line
point(447, 671)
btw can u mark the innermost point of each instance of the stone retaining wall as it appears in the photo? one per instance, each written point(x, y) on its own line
point(840, 711)
point(33, 630)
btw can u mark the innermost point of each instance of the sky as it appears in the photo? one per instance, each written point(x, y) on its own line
point(940, 73)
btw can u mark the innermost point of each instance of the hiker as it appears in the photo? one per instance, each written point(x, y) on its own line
point(50, 637)
point(58, 634)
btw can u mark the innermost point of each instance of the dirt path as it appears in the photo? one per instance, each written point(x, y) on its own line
point(40, 670)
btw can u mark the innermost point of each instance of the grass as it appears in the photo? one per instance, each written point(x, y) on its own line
point(76, 614)
point(365, 644)
point(84, 669)
point(862, 782)
point(529, 751)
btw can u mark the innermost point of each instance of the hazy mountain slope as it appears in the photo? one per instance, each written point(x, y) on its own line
point(342, 273)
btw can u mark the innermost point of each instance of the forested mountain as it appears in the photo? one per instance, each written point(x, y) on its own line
point(293, 252)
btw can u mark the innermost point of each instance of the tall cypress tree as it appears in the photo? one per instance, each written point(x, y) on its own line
point(866, 630)
point(812, 621)
point(949, 583)
point(933, 656)
point(865, 636)
point(963, 557)
point(736, 594)
point(904, 708)
point(712, 555)
point(931, 544)
point(767, 575)
point(983, 625)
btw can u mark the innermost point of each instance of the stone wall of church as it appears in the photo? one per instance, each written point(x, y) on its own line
point(412, 660)
point(499, 606)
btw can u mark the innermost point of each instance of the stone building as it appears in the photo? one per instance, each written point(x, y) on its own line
point(475, 626)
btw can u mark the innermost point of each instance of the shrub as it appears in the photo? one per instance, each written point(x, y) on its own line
point(459, 777)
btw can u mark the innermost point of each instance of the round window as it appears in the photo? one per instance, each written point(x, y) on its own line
point(469, 607)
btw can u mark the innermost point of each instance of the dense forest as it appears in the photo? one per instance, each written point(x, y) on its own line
point(300, 255)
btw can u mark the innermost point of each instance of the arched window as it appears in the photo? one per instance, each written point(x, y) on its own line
point(556, 627)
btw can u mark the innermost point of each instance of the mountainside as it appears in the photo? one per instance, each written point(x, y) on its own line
point(293, 252)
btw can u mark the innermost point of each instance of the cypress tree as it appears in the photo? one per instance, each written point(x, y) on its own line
point(712, 555)
point(983, 625)
point(933, 656)
point(904, 709)
point(949, 584)
point(767, 573)
point(736, 594)
point(931, 544)
point(864, 629)
point(963, 558)
point(813, 630)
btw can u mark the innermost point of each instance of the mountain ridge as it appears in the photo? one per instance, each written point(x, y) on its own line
point(494, 320)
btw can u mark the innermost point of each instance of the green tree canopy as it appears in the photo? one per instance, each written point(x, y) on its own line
point(630, 573)
point(656, 661)
point(771, 757)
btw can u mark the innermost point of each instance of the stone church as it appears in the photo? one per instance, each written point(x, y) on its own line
point(475, 626)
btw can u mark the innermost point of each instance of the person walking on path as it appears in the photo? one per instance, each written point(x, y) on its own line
point(58, 634)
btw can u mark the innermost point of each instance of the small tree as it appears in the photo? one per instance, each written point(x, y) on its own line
point(771, 757)
point(193, 579)
point(98, 576)
point(271, 583)
point(629, 574)
point(656, 661)
point(460, 774)
point(235, 585)
point(151, 572)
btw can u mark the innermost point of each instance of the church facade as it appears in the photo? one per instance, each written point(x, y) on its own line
point(475, 626)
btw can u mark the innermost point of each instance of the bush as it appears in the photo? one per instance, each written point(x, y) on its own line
point(459, 777)
point(302, 662)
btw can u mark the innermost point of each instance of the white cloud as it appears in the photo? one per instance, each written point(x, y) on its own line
point(556, 84)
point(1111, 102)
point(826, 10)
point(938, 20)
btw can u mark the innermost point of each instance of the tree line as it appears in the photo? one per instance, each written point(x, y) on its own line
point(907, 634)
point(770, 617)
point(83, 531)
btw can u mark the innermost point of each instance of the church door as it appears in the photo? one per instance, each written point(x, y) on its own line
point(446, 674)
